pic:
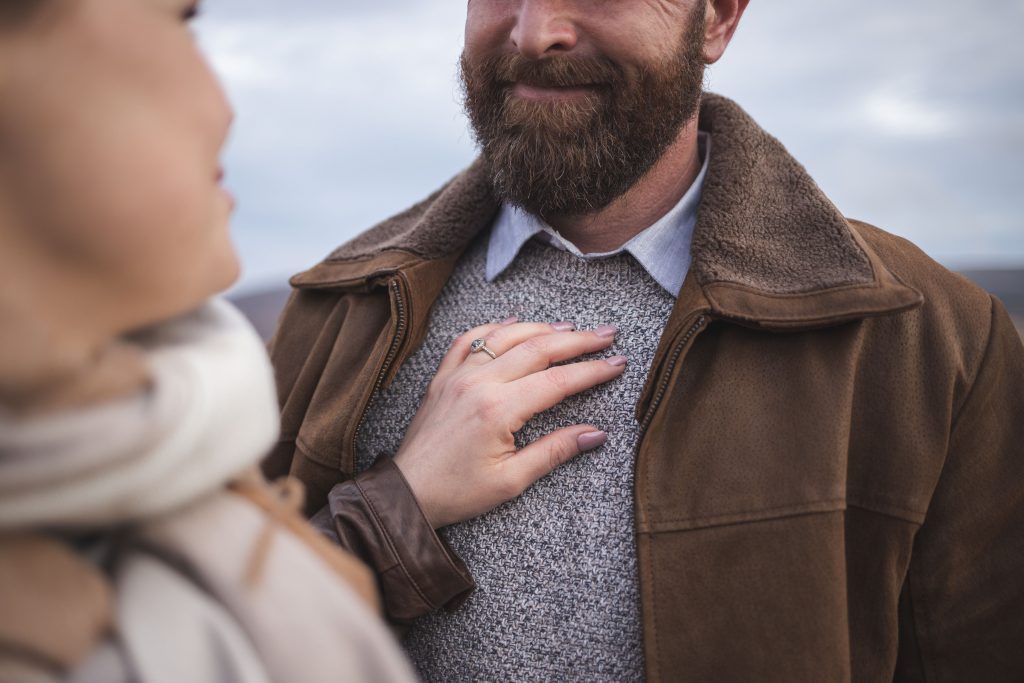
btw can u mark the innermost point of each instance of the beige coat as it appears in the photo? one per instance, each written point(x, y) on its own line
point(138, 543)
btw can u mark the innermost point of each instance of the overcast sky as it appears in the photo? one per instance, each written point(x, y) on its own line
point(910, 115)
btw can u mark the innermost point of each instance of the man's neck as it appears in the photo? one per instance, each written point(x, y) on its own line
point(642, 205)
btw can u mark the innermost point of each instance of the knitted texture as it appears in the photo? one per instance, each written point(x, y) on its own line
point(557, 589)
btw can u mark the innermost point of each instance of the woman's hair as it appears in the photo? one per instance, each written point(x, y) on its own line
point(14, 12)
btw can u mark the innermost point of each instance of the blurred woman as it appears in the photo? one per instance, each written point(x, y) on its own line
point(137, 541)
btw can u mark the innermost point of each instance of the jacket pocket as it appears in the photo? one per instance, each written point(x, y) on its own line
point(756, 601)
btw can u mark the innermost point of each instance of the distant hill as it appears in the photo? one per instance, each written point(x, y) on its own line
point(1007, 284)
point(264, 307)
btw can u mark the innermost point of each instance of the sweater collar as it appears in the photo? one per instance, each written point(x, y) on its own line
point(769, 249)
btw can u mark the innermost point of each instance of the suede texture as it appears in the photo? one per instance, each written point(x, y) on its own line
point(828, 481)
point(443, 223)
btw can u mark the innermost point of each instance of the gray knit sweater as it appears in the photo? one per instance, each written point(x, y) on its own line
point(557, 590)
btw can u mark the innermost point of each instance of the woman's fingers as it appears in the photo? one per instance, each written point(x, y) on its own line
point(458, 454)
point(540, 352)
point(546, 454)
point(460, 348)
point(499, 338)
point(537, 392)
point(503, 339)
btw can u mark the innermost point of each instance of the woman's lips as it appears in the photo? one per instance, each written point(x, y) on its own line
point(228, 196)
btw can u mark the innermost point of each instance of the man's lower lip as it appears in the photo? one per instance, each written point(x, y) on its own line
point(533, 92)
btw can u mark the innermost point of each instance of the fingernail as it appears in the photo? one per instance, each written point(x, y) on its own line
point(591, 440)
point(618, 361)
point(606, 331)
point(564, 326)
point(509, 321)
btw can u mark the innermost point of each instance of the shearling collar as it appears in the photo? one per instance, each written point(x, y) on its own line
point(769, 248)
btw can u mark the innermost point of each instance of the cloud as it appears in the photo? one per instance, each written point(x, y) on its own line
point(896, 114)
point(343, 118)
point(910, 115)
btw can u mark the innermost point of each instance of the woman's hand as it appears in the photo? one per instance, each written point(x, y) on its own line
point(459, 455)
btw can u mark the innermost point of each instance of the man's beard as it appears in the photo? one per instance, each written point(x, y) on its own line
point(575, 156)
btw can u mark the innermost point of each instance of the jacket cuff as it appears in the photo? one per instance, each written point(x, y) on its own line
point(376, 516)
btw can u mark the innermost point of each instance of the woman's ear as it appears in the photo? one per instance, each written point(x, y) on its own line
point(722, 18)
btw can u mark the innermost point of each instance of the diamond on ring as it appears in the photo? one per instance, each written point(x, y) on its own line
point(481, 345)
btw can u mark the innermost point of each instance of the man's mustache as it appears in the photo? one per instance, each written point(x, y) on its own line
point(550, 72)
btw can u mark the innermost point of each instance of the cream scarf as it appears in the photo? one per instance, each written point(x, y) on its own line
point(209, 414)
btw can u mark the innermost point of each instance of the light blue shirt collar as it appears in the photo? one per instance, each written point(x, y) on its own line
point(663, 249)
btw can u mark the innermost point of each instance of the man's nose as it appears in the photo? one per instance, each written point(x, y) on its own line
point(544, 27)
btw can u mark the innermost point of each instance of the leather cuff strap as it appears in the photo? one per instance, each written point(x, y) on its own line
point(376, 517)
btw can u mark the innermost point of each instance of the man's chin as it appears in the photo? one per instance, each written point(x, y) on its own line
point(546, 183)
point(558, 116)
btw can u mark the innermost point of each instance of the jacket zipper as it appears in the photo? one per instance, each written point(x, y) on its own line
point(666, 375)
point(401, 328)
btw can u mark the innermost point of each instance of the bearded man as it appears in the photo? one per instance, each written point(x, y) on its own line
point(813, 466)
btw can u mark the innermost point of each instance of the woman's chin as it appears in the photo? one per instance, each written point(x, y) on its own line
point(230, 272)
point(208, 283)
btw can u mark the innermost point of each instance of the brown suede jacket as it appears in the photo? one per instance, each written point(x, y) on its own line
point(830, 482)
